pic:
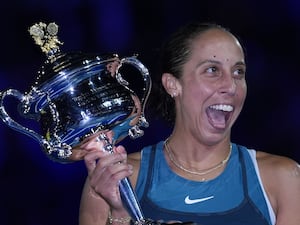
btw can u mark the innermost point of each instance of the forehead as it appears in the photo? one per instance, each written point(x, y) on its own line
point(217, 43)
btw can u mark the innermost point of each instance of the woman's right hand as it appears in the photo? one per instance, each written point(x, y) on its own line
point(105, 170)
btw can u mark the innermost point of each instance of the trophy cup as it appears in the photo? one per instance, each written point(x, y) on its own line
point(76, 95)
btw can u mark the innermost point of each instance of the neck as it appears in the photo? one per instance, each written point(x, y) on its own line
point(197, 160)
point(192, 149)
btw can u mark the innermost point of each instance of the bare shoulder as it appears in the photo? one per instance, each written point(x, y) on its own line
point(276, 170)
point(280, 166)
point(281, 179)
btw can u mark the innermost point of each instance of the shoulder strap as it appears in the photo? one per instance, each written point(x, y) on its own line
point(150, 168)
point(244, 174)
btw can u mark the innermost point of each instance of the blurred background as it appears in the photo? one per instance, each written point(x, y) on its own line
point(38, 191)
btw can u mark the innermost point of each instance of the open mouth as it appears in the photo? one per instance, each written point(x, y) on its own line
point(219, 114)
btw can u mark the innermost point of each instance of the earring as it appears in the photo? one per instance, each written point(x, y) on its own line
point(174, 94)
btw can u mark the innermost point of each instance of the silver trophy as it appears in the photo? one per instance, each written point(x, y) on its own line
point(76, 95)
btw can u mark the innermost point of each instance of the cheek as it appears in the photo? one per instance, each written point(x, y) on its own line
point(194, 96)
point(242, 92)
point(197, 92)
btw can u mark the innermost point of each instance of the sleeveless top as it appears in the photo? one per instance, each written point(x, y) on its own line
point(235, 197)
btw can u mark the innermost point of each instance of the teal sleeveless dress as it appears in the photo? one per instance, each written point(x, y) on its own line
point(235, 197)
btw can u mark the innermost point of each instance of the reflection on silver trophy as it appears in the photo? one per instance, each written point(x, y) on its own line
point(76, 95)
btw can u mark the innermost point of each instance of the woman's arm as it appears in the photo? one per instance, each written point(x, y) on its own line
point(281, 178)
point(93, 208)
point(100, 194)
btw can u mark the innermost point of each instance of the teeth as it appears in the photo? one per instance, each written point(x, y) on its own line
point(226, 108)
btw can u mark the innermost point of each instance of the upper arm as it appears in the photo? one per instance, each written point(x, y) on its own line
point(288, 195)
point(281, 178)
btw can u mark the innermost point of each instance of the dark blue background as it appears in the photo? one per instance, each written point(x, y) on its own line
point(37, 191)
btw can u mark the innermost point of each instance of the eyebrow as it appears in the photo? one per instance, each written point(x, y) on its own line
point(240, 63)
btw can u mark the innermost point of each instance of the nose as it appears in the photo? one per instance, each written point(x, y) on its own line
point(228, 85)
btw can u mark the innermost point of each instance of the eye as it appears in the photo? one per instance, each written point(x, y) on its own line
point(239, 73)
point(211, 69)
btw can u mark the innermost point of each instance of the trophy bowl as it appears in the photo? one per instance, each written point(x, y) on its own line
point(76, 94)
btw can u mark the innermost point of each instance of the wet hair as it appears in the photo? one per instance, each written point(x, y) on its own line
point(175, 53)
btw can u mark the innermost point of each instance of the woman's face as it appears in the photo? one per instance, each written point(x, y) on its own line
point(212, 88)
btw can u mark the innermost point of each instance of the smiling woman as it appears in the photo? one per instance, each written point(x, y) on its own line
point(198, 174)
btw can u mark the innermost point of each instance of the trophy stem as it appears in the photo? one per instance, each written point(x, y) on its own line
point(130, 201)
point(128, 196)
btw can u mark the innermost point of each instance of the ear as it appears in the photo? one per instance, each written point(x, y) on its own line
point(170, 84)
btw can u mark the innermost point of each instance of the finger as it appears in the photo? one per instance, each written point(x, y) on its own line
point(98, 160)
point(120, 170)
point(88, 145)
point(120, 149)
point(101, 141)
point(77, 154)
point(108, 166)
point(91, 158)
point(111, 159)
point(110, 176)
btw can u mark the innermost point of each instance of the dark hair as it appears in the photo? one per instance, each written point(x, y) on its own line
point(174, 54)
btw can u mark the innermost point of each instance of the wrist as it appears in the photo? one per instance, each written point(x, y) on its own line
point(118, 218)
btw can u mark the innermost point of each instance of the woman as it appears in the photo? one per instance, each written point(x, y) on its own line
point(197, 174)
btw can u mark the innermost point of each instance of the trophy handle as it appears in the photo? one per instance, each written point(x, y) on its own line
point(127, 193)
point(61, 149)
point(135, 131)
point(6, 118)
point(145, 75)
